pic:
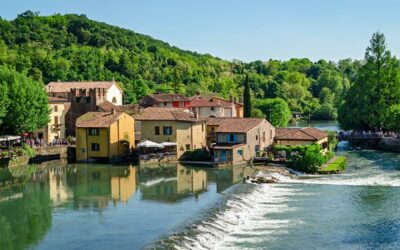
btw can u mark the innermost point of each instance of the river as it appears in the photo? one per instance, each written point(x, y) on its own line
point(173, 206)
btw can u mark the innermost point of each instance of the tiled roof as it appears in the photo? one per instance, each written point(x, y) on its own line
point(204, 103)
point(108, 106)
point(306, 134)
point(168, 97)
point(234, 124)
point(167, 114)
point(57, 87)
point(56, 99)
point(98, 119)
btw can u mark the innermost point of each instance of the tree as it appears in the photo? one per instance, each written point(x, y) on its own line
point(376, 89)
point(28, 105)
point(276, 110)
point(247, 97)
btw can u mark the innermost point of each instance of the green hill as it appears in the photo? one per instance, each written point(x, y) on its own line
point(73, 47)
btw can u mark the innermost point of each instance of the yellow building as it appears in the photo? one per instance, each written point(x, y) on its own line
point(301, 137)
point(104, 135)
point(176, 125)
point(55, 129)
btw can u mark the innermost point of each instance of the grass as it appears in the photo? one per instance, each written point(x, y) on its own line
point(338, 164)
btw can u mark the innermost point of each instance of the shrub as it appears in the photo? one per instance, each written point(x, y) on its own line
point(28, 151)
point(308, 161)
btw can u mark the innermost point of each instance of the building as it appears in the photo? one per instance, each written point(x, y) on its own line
point(84, 97)
point(181, 126)
point(213, 106)
point(112, 91)
point(55, 129)
point(207, 109)
point(301, 137)
point(104, 135)
point(239, 139)
point(165, 100)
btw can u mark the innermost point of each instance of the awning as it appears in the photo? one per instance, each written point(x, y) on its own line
point(149, 144)
point(9, 138)
point(168, 144)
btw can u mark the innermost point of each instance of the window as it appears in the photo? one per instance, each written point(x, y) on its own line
point(240, 152)
point(95, 147)
point(55, 108)
point(187, 147)
point(165, 103)
point(231, 137)
point(114, 100)
point(256, 137)
point(87, 99)
point(263, 136)
point(167, 130)
point(212, 108)
point(56, 120)
point(93, 131)
point(157, 130)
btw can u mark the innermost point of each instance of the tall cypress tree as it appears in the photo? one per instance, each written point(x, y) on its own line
point(247, 98)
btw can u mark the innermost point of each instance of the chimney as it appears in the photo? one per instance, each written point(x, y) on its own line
point(112, 111)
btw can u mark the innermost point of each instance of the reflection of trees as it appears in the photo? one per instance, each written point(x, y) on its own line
point(25, 221)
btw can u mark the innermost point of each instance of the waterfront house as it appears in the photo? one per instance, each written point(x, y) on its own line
point(178, 126)
point(55, 129)
point(239, 139)
point(84, 97)
point(104, 135)
point(301, 137)
point(165, 100)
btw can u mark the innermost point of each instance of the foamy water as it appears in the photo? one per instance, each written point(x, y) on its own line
point(356, 210)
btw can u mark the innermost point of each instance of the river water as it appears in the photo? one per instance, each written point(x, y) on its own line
point(174, 206)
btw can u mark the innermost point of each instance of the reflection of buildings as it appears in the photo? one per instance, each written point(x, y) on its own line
point(190, 180)
point(169, 184)
point(122, 188)
point(58, 185)
point(94, 186)
point(226, 177)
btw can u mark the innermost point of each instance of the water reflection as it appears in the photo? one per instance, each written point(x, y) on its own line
point(29, 200)
point(171, 183)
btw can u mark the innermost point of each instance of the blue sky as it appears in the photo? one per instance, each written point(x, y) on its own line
point(242, 29)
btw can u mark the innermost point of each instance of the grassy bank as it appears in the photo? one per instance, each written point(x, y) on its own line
point(337, 165)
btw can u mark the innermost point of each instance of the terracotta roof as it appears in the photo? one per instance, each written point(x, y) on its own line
point(56, 99)
point(167, 114)
point(168, 97)
point(216, 121)
point(306, 134)
point(204, 103)
point(57, 87)
point(234, 124)
point(221, 100)
point(107, 106)
point(98, 119)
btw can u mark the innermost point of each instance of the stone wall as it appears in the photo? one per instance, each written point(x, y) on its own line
point(391, 144)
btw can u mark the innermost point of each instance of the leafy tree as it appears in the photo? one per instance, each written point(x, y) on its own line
point(309, 160)
point(28, 104)
point(276, 110)
point(368, 103)
point(247, 98)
